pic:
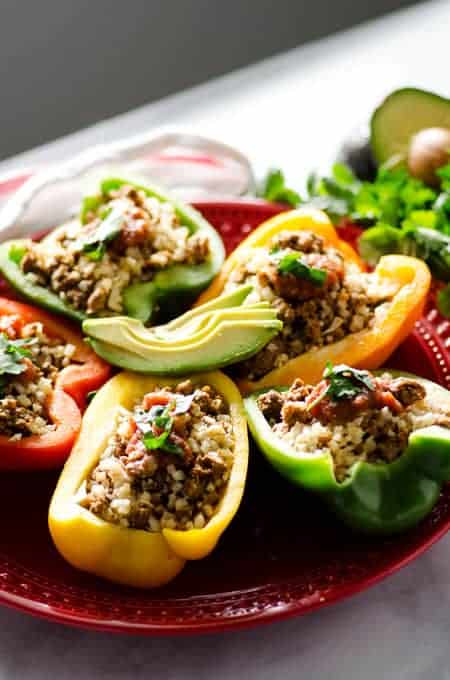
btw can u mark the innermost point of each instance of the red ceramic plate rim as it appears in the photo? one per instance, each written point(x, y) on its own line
point(296, 609)
point(8, 185)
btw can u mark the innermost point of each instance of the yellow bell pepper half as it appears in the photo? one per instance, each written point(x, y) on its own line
point(132, 556)
point(407, 278)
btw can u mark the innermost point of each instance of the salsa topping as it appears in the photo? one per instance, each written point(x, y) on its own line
point(352, 414)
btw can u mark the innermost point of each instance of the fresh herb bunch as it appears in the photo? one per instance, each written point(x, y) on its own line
point(400, 214)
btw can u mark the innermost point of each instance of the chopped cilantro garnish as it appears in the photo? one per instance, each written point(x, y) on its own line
point(17, 253)
point(95, 243)
point(90, 396)
point(291, 263)
point(160, 417)
point(153, 441)
point(12, 353)
point(344, 382)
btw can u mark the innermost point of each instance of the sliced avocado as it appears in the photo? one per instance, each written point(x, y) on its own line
point(132, 334)
point(137, 302)
point(230, 342)
point(401, 115)
point(233, 299)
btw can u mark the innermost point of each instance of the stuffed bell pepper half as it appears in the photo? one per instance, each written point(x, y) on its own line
point(134, 251)
point(331, 308)
point(376, 448)
point(155, 477)
point(46, 374)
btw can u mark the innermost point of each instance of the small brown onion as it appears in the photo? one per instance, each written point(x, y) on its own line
point(428, 151)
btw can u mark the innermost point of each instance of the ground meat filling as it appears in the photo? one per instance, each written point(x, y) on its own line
point(168, 463)
point(319, 301)
point(36, 360)
point(137, 236)
point(353, 418)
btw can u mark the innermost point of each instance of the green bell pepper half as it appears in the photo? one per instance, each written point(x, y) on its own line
point(170, 291)
point(377, 498)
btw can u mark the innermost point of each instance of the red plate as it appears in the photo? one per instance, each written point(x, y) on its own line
point(283, 555)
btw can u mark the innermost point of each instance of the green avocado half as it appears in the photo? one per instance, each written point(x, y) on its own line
point(400, 116)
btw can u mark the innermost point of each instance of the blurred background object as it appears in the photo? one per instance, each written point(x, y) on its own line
point(66, 65)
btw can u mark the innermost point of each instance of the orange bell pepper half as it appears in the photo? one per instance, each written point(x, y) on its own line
point(407, 277)
point(67, 400)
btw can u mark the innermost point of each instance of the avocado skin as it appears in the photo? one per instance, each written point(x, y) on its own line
point(401, 115)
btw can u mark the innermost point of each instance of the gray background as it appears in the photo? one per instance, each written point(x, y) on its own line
point(67, 64)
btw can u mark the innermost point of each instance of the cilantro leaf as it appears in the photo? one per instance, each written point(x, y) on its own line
point(344, 378)
point(17, 253)
point(153, 441)
point(170, 447)
point(274, 189)
point(12, 353)
point(161, 417)
point(291, 263)
point(444, 174)
point(95, 243)
point(345, 177)
point(344, 382)
point(379, 240)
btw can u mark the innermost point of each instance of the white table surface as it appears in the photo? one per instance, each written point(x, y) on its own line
point(290, 111)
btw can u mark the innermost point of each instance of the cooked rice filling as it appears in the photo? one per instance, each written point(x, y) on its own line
point(178, 484)
point(372, 427)
point(24, 397)
point(313, 314)
point(150, 238)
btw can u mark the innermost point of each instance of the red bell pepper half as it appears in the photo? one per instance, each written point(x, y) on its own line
point(67, 400)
